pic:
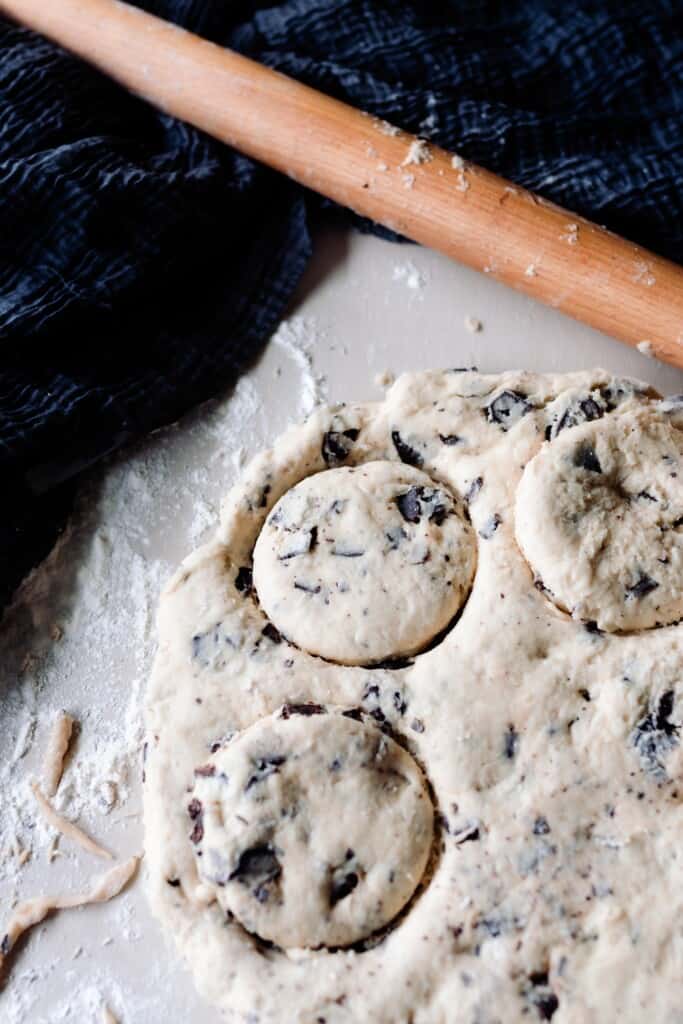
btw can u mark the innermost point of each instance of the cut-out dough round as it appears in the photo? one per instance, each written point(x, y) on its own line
point(599, 517)
point(364, 564)
point(313, 827)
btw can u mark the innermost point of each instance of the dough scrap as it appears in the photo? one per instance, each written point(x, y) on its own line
point(68, 828)
point(364, 564)
point(55, 752)
point(312, 826)
point(34, 911)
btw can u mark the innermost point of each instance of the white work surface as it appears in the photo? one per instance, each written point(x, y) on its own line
point(81, 635)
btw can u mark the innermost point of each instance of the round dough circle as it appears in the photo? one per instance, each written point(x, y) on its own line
point(599, 518)
point(312, 827)
point(364, 564)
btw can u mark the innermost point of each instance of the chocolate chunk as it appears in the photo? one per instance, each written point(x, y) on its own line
point(409, 505)
point(272, 633)
point(347, 551)
point(263, 767)
point(541, 996)
point(677, 522)
point(469, 834)
point(449, 439)
point(493, 926)
point(585, 458)
point(541, 827)
point(438, 514)
point(302, 709)
point(258, 867)
point(344, 881)
point(546, 1004)
point(337, 444)
point(507, 408)
point(395, 535)
point(300, 544)
point(583, 410)
point(308, 588)
point(244, 581)
point(173, 882)
point(405, 452)
point(195, 811)
point(263, 500)
point(5, 945)
point(591, 626)
point(643, 585)
point(206, 771)
point(419, 501)
point(655, 736)
point(645, 496)
point(399, 702)
point(473, 490)
point(511, 742)
point(343, 887)
point(490, 526)
point(354, 713)
point(209, 649)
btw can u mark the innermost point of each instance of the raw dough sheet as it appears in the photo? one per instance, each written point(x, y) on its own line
point(549, 741)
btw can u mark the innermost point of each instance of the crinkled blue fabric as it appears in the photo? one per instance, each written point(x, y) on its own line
point(143, 265)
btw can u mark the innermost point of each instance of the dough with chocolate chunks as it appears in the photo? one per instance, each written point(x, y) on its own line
point(549, 743)
point(599, 517)
point(312, 829)
point(364, 564)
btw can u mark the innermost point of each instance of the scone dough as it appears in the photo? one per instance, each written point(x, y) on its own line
point(313, 826)
point(549, 746)
point(364, 564)
point(599, 516)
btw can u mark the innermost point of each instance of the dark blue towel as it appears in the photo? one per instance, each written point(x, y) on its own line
point(142, 265)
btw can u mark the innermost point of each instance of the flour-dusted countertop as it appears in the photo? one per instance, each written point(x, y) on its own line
point(82, 635)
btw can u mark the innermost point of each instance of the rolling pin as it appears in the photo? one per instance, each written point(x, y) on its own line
point(394, 178)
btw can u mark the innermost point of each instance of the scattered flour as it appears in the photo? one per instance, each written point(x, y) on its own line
point(418, 153)
point(643, 273)
point(80, 636)
point(645, 348)
point(571, 235)
point(409, 274)
point(388, 129)
point(297, 337)
point(472, 324)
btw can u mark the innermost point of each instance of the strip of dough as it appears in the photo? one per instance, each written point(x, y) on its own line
point(66, 827)
point(32, 912)
point(57, 746)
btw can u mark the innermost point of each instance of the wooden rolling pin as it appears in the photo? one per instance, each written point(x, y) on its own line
point(377, 170)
